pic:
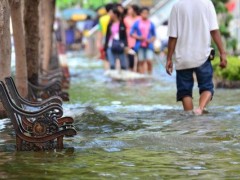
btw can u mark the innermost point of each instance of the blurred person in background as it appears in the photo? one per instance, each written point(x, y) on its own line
point(121, 9)
point(102, 25)
point(89, 23)
point(129, 20)
point(70, 34)
point(143, 31)
point(116, 40)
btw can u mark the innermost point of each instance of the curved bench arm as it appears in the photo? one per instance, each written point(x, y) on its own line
point(14, 93)
point(56, 85)
point(53, 110)
point(51, 77)
point(54, 71)
point(53, 99)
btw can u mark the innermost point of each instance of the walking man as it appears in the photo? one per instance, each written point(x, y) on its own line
point(192, 24)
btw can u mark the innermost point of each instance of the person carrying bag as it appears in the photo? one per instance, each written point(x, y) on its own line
point(116, 40)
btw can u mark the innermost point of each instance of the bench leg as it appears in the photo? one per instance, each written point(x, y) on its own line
point(60, 142)
point(18, 143)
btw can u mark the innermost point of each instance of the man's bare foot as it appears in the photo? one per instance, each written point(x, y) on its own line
point(198, 112)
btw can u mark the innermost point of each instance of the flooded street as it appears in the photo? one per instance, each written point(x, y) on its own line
point(133, 130)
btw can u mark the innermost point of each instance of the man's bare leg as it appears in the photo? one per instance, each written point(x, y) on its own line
point(150, 66)
point(205, 98)
point(187, 103)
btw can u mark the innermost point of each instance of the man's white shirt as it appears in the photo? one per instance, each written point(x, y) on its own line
point(191, 22)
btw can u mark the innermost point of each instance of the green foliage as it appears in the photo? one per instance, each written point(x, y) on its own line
point(219, 2)
point(91, 4)
point(62, 4)
point(220, 7)
point(232, 72)
point(225, 19)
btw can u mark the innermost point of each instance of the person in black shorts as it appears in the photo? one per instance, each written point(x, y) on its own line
point(191, 26)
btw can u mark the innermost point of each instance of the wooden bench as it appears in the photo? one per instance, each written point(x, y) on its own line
point(55, 74)
point(51, 82)
point(46, 91)
point(26, 105)
point(46, 134)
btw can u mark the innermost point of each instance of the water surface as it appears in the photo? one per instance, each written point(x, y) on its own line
point(133, 130)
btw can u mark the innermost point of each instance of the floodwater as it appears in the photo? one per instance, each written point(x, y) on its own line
point(133, 130)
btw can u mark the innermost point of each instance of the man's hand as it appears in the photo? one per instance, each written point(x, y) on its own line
point(169, 67)
point(217, 39)
point(223, 61)
point(171, 48)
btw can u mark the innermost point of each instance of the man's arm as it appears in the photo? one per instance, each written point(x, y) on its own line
point(217, 39)
point(171, 48)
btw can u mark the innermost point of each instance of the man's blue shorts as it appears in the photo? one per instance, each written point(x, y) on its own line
point(185, 80)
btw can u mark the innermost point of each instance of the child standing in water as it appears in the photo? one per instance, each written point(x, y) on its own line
point(143, 31)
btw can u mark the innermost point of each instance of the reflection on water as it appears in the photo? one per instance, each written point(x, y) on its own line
point(134, 130)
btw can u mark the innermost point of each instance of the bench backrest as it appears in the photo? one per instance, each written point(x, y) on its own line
point(12, 89)
point(13, 115)
point(22, 103)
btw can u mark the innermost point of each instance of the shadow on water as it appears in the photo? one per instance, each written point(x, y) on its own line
point(133, 130)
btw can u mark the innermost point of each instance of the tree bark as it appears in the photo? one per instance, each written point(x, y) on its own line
point(20, 50)
point(5, 45)
point(47, 12)
point(31, 22)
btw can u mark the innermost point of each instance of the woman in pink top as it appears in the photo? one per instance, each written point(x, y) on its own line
point(129, 20)
point(143, 31)
point(116, 40)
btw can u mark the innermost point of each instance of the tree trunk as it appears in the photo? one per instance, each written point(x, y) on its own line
point(32, 39)
point(20, 50)
point(47, 12)
point(5, 45)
